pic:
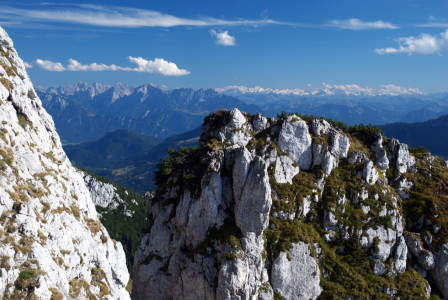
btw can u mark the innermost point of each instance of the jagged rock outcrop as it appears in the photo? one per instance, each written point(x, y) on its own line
point(52, 244)
point(294, 207)
point(105, 195)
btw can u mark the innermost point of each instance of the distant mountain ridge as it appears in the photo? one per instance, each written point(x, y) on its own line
point(113, 147)
point(432, 134)
point(128, 158)
point(349, 106)
point(325, 90)
point(86, 112)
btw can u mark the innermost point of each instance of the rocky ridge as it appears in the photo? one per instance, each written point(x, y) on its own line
point(295, 207)
point(52, 244)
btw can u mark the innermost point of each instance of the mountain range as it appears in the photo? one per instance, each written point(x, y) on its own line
point(86, 112)
point(350, 107)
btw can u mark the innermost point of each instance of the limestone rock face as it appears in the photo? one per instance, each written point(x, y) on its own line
point(369, 173)
point(277, 207)
point(295, 139)
point(285, 170)
point(294, 284)
point(52, 243)
point(105, 195)
point(380, 154)
point(400, 153)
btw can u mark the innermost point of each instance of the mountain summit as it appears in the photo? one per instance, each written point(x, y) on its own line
point(52, 244)
point(295, 207)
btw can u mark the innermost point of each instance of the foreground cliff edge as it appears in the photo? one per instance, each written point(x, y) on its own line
point(52, 244)
point(295, 208)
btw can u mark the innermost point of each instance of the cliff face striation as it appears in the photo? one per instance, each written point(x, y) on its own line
point(52, 244)
point(295, 207)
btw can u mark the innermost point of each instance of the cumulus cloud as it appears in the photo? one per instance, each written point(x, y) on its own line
point(223, 38)
point(422, 44)
point(112, 16)
point(74, 65)
point(156, 66)
point(357, 24)
point(50, 66)
point(27, 65)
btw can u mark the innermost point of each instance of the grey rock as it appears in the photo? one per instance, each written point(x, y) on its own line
point(401, 253)
point(60, 217)
point(427, 238)
point(414, 243)
point(386, 241)
point(285, 170)
point(365, 208)
point(320, 127)
point(400, 152)
point(295, 139)
point(298, 277)
point(323, 158)
point(259, 123)
point(440, 272)
point(369, 173)
point(339, 144)
point(358, 197)
point(381, 159)
point(357, 157)
point(232, 279)
point(404, 184)
point(426, 260)
point(379, 268)
point(203, 213)
point(389, 291)
point(252, 209)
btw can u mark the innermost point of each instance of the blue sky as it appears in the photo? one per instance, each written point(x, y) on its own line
point(212, 44)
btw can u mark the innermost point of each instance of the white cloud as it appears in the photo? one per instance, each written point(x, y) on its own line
point(223, 38)
point(423, 44)
point(112, 16)
point(50, 66)
point(27, 65)
point(74, 65)
point(357, 24)
point(434, 22)
point(434, 25)
point(156, 66)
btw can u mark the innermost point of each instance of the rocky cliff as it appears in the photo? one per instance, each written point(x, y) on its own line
point(295, 207)
point(121, 211)
point(52, 244)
